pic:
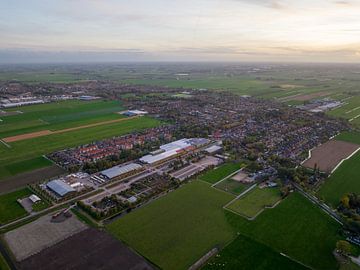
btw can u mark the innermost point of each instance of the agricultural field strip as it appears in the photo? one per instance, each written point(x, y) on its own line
point(338, 165)
point(353, 110)
point(48, 132)
point(355, 117)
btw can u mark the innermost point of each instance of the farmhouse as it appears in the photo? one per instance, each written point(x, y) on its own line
point(118, 171)
point(60, 187)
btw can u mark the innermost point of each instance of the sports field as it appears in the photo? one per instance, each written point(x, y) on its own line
point(29, 150)
point(176, 230)
point(247, 254)
point(221, 172)
point(253, 202)
point(344, 180)
point(10, 209)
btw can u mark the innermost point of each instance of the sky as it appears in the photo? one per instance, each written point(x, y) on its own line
point(179, 30)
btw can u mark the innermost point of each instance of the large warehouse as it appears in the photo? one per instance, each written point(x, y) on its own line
point(119, 170)
point(60, 187)
point(172, 149)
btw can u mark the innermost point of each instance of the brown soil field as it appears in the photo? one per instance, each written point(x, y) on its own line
point(15, 182)
point(328, 155)
point(49, 132)
point(90, 249)
point(27, 136)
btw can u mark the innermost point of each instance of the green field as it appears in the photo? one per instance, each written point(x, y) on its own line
point(344, 180)
point(231, 186)
point(255, 201)
point(295, 227)
point(3, 263)
point(10, 209)
point(24, 166)
point(353, 137)
point(246, 254)
point(174, 231)
point(221, 172)
point(26, 151)
point(58, 115)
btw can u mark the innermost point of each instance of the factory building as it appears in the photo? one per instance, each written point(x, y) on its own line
point(60, 187)
point(172, 149)
point(119, 170)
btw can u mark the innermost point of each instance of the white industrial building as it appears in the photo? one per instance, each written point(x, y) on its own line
point(119, 170)
point(172, 149)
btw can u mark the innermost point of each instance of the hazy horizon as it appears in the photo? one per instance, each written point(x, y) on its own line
point(179, 31)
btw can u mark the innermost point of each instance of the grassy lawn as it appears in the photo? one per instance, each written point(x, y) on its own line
point(246, 254)
point(221, 172)
point(297, 228)
point(344, 180)
point(176, 230)
point(255, 201)
point(38, 206)
point(10, 209)
point(23, 153)
point(232, 186)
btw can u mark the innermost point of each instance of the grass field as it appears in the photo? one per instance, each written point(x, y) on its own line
point(231, 186)
point(295, 227)
point(255, 201)
point(344, 180)
point(10, 209)
point(221, 172)
point(26, 151)
point(246, 254)
point(58, 115)
point(23, 166)
point(174, 231)
point(353, 137)
point(3, 263)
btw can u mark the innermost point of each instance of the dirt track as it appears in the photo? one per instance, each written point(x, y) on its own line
point(328, 155)
point(49, 132)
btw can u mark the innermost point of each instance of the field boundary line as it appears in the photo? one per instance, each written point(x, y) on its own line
point(4, 143)
point(227, 177)
point(240, 195)
point(344, 159)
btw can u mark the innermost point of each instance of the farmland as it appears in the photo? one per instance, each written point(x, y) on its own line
point(174, 231)
point(345, 179)
point(328, 155)
point(57, 115)
point(253, 202)
point(247, 254)
point(10, 209)
point(23, 151)
point(3, 263)
point(295, 227)
point(90, 249)
point(219, 173)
